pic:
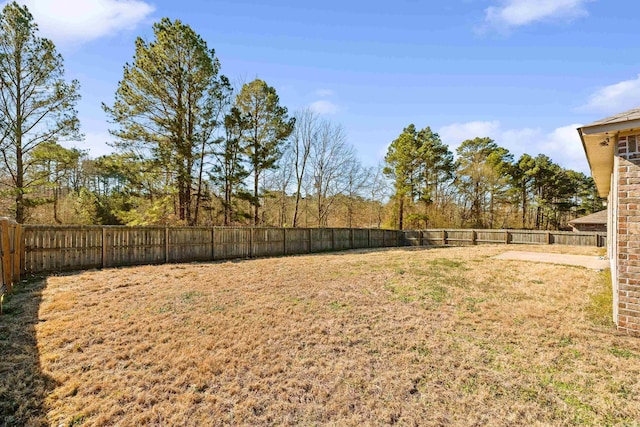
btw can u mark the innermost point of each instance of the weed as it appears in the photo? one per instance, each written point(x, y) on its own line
point(565, 341)
point(472, 303)
point(76, 420)
point(191, 296)
point(335, 305)
point(622, 352)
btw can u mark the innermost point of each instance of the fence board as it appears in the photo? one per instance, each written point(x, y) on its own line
point(528, 237)
point(184, 244)
point(360, 238)
point(231, 243)
point(342, 239)
point(412, 238)
point(376, 239)
point(134, 246)
point(297, 241)
point(61, 248)
point(490, 236)
point(268, 242)
point(459, 237)
point(321, 239)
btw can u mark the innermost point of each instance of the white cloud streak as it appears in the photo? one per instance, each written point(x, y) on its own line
point(615, 98)
point(324, 107)
point(325, 93)
point(79, 21)
point(562, 144)
point(517, 13)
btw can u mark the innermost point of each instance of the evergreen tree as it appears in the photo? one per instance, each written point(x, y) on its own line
point(169, 105)
point(36, 103)
point(265, 128)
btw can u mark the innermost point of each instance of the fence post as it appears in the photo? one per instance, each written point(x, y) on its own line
point(310, 246)
point(6, 256)
point(333, 239)
point(368, 237)
point(420, 238)
point(17, 250)
point(351, 238)
point(548, 237)
point(474, 237)
point(506, 237)
point(444, 237)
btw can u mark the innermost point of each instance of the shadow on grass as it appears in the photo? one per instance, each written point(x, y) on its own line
point(23, 385)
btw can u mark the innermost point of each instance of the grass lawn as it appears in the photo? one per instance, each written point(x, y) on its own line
point(403, 336)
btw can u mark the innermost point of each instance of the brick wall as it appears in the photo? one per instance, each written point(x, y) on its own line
point(628, 235)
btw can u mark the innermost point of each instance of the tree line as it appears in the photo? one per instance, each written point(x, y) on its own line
point(192, 149)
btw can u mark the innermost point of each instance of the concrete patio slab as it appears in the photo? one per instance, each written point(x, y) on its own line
point(592, 262)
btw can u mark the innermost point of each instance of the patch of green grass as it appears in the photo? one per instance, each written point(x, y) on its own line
point(421, 349)
point(76, 420)
point(430, 290)
point(584, 412)
point(191, 296)
point(622, 352)
point(336, 305)
point(600, 308)
point(565, 341)
point(437, 293)
point(472, 303)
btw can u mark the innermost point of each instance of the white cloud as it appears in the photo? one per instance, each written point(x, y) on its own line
point(77, 21)
point(562, 144)
point(324, 93)
point(516, 13)
point(616, 97)
point(324, 107)
point(455, 133)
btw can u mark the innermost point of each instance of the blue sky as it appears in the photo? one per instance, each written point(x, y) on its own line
point(524, 72)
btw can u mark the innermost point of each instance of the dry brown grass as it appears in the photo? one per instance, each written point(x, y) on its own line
point(409, 337)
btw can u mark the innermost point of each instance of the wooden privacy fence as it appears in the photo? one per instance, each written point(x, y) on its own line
point(527, 237)
point(64, 248)
point(10, 252)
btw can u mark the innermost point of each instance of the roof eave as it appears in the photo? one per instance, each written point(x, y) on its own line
point(598, 143)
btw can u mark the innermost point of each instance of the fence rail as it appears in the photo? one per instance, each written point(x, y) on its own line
point(64, 248)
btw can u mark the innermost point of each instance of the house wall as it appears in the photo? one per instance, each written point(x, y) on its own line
point(627, 241)
point(589, 227)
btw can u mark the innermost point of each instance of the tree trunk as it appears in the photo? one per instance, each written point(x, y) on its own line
point(256, 200)
point(524, 206)
point(55, 206)
point(401, 213)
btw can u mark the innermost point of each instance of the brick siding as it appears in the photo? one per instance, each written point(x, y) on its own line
point(628, 235)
